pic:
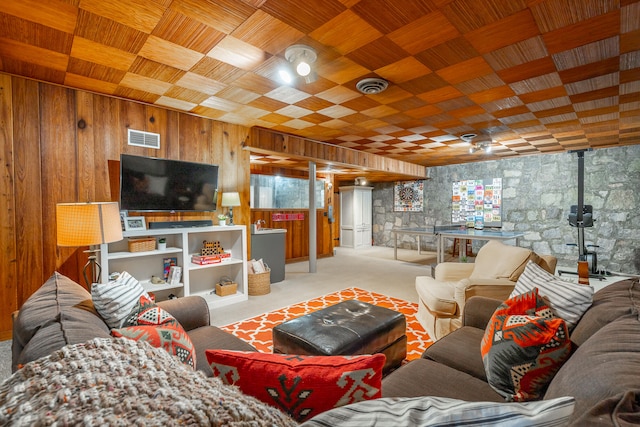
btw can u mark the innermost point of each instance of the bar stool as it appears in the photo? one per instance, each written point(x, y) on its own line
point(456, 248)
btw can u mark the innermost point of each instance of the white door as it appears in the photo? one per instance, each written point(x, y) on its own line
point(347, 220)
point(355, 218)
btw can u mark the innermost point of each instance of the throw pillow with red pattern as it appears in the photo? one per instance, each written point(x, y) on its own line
point(523, 347)
point(152, 324)
point(302, 386)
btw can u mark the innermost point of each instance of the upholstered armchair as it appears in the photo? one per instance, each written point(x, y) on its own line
point(493, 274)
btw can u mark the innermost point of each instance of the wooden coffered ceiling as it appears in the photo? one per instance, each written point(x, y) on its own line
point(531, 76)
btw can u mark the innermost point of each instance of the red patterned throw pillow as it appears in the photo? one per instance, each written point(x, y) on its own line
point(156, 326)
point(523, 347)
point(302, 386)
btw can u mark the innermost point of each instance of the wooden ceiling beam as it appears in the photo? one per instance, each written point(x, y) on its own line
point(267, 141)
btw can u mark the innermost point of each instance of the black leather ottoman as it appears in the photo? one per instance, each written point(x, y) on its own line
point(347, 328)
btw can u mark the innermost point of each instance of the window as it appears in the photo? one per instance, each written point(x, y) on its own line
point(277, 192)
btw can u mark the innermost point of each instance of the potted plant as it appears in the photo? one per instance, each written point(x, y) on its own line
point(162, 243)
point(222, 219)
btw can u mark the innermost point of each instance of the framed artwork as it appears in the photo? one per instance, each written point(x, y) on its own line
point(477, 203)
point(134, 223)
point(408, 196)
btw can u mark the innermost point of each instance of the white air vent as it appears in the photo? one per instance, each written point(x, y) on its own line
point(372, 86)
point(144, 139)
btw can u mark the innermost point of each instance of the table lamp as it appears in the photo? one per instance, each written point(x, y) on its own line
point(230, 200)
point(88, 224)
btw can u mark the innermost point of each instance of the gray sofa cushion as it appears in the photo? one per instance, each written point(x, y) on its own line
point(604, 368)
point(622, 410)
point(458, 343)
point(211, 338)
point(422, 377)
point(191, 312)
point(609, 303)
point(57, 314)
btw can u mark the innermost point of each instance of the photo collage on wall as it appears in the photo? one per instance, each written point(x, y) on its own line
point(477, 203)
point(408, 196)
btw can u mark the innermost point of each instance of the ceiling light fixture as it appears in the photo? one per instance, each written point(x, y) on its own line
point(302, 57)
point(481, 146)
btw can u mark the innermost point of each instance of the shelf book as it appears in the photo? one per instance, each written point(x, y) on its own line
point(206, 259)
point(167, 264)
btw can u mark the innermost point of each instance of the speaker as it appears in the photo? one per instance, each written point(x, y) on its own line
point(180, 224)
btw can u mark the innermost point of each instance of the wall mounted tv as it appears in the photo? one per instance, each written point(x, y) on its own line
point(152, 184)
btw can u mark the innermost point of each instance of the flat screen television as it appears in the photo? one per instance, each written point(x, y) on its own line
point(152, 184)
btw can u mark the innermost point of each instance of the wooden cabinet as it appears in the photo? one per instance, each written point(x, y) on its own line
point(355, 216)
point(181, 244)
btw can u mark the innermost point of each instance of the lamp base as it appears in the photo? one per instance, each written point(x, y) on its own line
point(230, 215)
point(93, 266)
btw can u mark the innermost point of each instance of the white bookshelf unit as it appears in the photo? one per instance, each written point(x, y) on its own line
point(181, 244)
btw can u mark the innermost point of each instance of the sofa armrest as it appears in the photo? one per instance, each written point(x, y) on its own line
point(499, 289)
point(192, 312)
point(478, 311)
point(453, 271)
point(548, 262)
point(491, 288)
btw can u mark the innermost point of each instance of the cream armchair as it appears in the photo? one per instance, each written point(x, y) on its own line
point(493, 274)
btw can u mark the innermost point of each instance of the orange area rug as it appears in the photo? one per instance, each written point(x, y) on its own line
point(257, 330)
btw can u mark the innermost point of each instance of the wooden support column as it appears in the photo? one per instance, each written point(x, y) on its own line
point(313, 220)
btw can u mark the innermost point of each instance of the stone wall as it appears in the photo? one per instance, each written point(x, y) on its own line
point(538, 192)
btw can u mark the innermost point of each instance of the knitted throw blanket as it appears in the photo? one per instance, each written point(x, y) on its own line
point(120, 382)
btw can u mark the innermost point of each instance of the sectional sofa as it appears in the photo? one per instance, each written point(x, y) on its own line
point(602, 373)
point(600, 377)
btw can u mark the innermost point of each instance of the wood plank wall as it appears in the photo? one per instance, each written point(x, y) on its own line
point(297, 237)
point(48, 158)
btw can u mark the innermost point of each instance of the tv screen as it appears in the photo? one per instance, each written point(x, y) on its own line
point(152, 184)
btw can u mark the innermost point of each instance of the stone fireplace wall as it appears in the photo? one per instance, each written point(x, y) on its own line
point(538, 192)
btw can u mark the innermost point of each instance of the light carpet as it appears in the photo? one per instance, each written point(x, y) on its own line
point(257, 330)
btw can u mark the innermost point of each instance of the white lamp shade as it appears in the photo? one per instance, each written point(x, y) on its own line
point(86, 224)
point(231, 199)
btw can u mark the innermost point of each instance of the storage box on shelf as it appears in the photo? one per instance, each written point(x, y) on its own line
point(182, 244)
point(141, 244)
point(225, 288)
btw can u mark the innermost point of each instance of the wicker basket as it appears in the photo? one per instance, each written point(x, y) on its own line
point(260, 283)
point(222, 290)
point(142, 244)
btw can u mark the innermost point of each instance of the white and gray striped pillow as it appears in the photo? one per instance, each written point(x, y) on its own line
point(567, 300)
point(441, 411)
point(115, 300)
